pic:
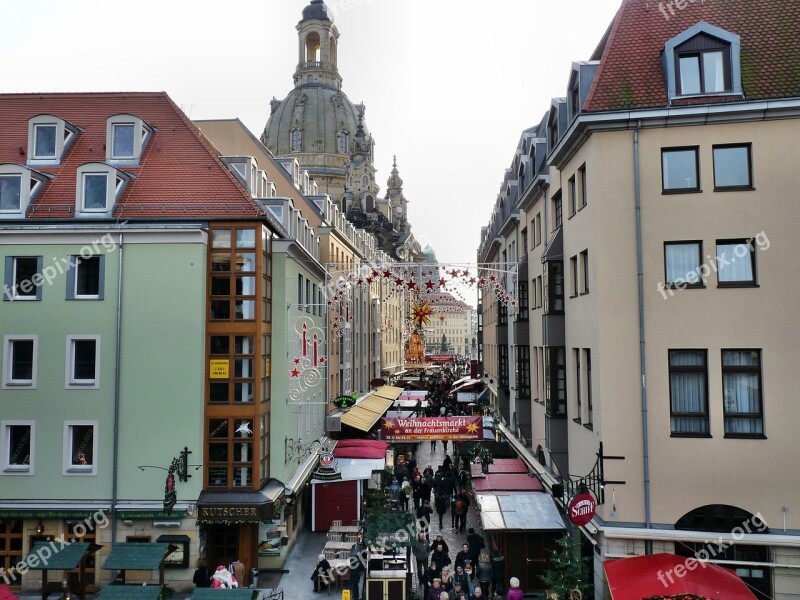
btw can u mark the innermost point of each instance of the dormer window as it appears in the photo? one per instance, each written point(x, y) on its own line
point(703, 61)
point(48, 138)
point(18, 188)
point(126, 137)
point(99, 187)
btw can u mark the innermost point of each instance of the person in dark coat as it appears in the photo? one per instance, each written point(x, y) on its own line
point(476, 544)
point(321, 574)
point(463, 555)
point(440, 556)
point(424, 518)
point(439, 539)
point(431, 573)
point(441, 508)
point(202, 576)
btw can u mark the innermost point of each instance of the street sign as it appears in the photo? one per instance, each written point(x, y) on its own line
point(582, 509)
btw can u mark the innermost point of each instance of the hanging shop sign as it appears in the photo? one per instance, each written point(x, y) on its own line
point(582, 509)
point(344, 401)
point(432, 428)
point(326, 470)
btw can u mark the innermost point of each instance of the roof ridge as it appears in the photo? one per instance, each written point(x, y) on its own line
point(215, 154)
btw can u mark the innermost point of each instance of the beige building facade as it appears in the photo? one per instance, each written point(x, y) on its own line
point(656, 230)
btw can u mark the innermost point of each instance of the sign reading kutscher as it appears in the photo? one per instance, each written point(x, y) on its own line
point(432, 428)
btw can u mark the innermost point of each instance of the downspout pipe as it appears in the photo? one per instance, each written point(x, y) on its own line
point(117, 361)
point(642, 349)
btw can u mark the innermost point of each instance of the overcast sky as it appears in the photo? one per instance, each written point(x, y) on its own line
point(449, 86)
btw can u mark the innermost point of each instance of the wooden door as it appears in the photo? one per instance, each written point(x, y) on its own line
point(222, 545)
point(396, 589)
point(335, 501)
point(375, 589)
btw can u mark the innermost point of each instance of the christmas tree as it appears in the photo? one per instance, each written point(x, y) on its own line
point(567, 570)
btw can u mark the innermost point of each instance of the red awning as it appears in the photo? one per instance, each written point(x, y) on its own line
point(6, 593)
point(360, 449)
point(508, 482)
point(642, 577)
point(501, 465)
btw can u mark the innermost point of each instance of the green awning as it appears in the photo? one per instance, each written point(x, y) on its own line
point(130, 592)
point(138, 556)
point(51, 555)
point(223, 594)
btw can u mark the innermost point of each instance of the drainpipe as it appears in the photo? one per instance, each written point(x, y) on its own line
point(642, 351)
point(115, 464)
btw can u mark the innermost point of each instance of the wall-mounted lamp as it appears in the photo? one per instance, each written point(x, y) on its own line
point(39, 527)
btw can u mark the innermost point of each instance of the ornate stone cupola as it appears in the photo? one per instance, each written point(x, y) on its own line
point(318, 39)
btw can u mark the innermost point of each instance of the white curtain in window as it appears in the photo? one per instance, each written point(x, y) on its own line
point(735, 262)
point(683, 262)
point(713, 72)
point(741, 392)
point(688, 390)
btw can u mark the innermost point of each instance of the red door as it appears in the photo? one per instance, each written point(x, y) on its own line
point(336, 500)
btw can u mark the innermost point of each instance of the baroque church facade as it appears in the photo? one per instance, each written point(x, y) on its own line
point(327, 133)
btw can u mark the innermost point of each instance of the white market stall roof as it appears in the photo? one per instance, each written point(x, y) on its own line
point(355, 468)
point(519, 511)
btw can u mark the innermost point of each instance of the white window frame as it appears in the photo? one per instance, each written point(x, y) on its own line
point(9, 291)
point(69, 381)
point(6, 468)
point(142, 132)
point(70, 469)
point(8, 383)
point(31, 183)
point(73, 273)
point(115, 184)
point(65, 134)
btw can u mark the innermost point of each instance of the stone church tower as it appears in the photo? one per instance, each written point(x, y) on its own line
point(317, 123)
point(319, 126)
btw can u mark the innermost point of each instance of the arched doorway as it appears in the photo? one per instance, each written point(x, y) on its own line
point(722, 518)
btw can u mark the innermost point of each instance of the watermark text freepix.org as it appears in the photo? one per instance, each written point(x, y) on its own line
point(755, 524)
point(41, 558)
point(671, 5)
point(58, 267)
point(714, 264)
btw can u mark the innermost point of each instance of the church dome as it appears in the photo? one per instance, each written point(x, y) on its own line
point(316, 10)
point(326, 118)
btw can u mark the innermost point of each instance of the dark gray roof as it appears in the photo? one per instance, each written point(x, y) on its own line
point(316, 10)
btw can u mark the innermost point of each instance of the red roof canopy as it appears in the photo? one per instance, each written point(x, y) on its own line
point(360, 449)
point(507, 482)
point(641, 577)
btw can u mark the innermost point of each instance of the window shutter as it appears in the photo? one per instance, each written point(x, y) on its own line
point(101, 283)
point(8, 279)
point(71, 264)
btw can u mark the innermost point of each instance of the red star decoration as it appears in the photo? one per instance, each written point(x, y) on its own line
point(360, 282)
point(321, 360)
point(466, 273)
point(330, 302)
point(399, 281)
point(335, 325)
point(492, 278)
point(453, 273)
point(296, 360)
point(369, 280)
point(429, 285)
point(387, 274)
point(442, 282)
point(376, 273)
point(513, 303)
point(482, 281)
point(295, 373)
point(472, 281)
point(411, 284)
point(442, 318)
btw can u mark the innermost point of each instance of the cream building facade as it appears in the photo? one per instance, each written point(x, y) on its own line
point(653, 216)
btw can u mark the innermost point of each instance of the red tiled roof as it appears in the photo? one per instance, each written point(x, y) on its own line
point(507, 482)
point(179, 174)
point(630, 74)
